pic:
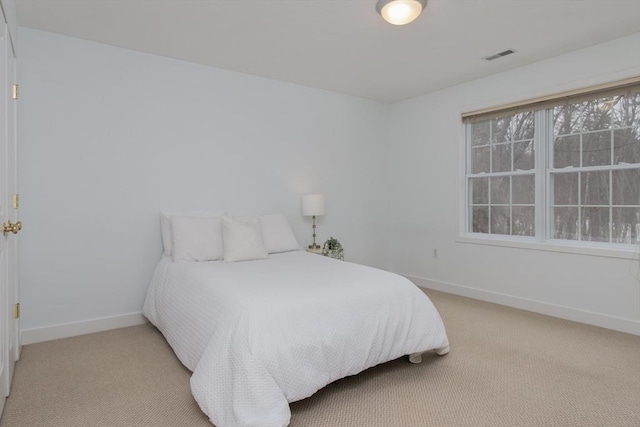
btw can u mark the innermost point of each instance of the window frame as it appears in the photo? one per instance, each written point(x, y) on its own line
point(542, 238)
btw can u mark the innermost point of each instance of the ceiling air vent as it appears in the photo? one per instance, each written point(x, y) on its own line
point(499, 55)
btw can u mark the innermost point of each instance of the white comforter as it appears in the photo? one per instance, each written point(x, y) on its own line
point(260, 334)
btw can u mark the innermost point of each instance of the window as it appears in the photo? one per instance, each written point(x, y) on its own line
point(559, 169)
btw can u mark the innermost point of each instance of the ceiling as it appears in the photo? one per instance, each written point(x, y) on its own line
point(343, 45)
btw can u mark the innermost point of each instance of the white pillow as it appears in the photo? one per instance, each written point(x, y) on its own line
point(165, 226)
point(196, 238)
point(242, 239)
point(277, 234)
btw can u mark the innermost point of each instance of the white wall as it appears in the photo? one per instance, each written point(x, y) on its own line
point(426, 164)
point(109, 137)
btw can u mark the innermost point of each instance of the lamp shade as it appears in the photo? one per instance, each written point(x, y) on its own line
point(312, 205)
point(400, 12)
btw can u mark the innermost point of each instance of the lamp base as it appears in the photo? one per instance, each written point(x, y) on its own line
point(314, 246)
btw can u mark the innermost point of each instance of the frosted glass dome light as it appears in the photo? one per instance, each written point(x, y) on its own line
point(400, 12)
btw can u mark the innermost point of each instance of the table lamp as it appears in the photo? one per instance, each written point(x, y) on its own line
point(313, 205)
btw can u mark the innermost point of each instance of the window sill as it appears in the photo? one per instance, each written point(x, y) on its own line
point(617, 251)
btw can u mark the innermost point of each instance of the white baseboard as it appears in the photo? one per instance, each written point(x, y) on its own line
point(48, 333)
point(597, 319)
point(66, 330)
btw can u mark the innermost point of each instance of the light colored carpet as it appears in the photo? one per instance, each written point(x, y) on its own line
point(506, 368)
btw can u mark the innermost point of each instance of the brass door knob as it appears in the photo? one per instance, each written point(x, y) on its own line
point(10, 227)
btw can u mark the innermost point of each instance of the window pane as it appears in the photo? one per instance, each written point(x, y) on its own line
point(596, 148)
point(566, 119)
point(596, 114)
point(480, 160)
point(626, 225)
point(500, 190)
point(522, 126)
point(523, 190)
point(595, 224)
point(626, 111)
point(565, 223)
point(626, 187)
point(501, 158)
point(595, 188)
point(480, 133)
point(524, 221)
point(565, 188)
point(500, 129)
point(566, 151)
point(523, 155)
point(500, 220)
point(480, 220)
point(479, 191)
point(626, 145)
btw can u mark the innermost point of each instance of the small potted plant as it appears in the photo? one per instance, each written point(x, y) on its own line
point(332, 248)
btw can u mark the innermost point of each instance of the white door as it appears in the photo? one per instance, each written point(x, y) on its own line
point(9, 224)
point(12, 202)
point(5, 371)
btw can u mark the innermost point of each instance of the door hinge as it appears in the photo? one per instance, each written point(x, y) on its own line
point(16, 91)
point(16, 201)
point(16, 311)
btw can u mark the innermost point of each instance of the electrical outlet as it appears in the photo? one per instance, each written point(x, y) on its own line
point(435, 253)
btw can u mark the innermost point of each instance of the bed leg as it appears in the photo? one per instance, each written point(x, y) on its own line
point(442, 351)
point(415, 358)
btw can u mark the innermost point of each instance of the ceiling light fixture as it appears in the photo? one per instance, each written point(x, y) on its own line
point(400, 12)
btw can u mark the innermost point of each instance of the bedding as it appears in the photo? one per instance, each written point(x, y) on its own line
point(277, 234)
point(242, 239)
point(260, 334)
point(196, 238)
point(166, 229)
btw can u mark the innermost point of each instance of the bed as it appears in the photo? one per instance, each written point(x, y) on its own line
point(262, 333)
